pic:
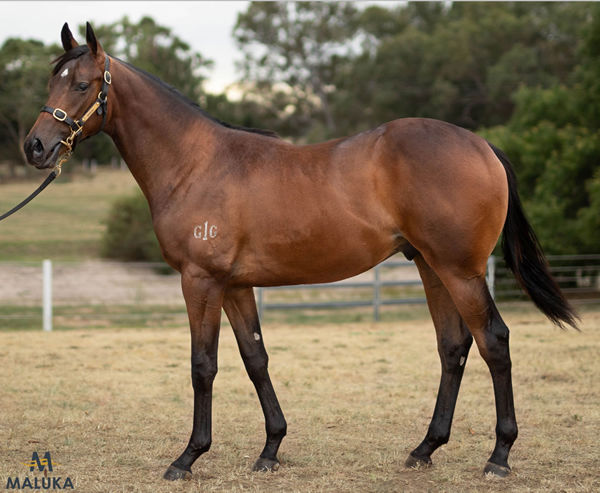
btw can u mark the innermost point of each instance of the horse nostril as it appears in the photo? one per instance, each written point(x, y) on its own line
point(38, 148)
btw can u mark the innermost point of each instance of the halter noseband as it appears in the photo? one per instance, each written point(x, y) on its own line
point(99, 106)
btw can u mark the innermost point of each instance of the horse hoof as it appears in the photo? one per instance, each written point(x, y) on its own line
point(174, 473)
point(417, 462)
point(496, 470)
point(264, 465)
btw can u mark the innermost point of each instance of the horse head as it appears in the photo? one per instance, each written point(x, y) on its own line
point(78, 90)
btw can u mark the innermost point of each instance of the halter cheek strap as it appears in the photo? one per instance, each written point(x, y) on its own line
point(99, 106)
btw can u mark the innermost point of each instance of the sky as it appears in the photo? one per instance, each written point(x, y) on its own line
point(205, 25)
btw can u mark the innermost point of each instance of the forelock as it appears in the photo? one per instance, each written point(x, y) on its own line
point(66, 57)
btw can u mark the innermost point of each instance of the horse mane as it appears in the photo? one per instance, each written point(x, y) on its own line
point(175, 92)
point(80, 50)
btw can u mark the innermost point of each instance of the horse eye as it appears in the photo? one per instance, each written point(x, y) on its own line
point(82, 86)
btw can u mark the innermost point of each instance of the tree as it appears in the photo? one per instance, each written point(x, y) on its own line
point(157, 50)
point(552, 137)
point(291, 54)
point(329, 69)
point(24, 67)
point(459, 62)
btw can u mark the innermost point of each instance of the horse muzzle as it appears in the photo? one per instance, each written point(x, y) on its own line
point(42, 156)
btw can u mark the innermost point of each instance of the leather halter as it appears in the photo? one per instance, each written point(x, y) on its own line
point(99, 106)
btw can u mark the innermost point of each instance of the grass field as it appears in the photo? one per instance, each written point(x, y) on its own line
point(114, 406)
point(66, 221)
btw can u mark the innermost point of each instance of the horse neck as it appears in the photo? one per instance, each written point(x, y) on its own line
point(160, 136)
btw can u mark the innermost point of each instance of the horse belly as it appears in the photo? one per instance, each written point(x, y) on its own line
point(324, 248)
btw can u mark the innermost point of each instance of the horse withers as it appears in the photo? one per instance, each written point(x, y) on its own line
point(234, 208)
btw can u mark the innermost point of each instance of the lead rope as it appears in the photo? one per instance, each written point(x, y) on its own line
point(76, 126)
point(46, 182)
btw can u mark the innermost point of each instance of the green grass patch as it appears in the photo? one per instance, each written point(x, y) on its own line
point(158, 316)
point(20, 317)
point(344, 315)
point(93, 317)
point(66, 221)
point(119, 316)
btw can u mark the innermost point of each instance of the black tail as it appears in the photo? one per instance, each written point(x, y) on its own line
point(523, 255)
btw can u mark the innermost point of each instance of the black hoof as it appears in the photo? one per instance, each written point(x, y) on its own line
point(418, 462)
point(496, 470)
point(174, 473)
point(263, 464)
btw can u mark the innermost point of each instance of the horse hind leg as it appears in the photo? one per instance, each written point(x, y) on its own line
point(476, 307)
point(454, 342)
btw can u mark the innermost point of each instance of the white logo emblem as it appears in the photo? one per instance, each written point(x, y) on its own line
point(204, 231)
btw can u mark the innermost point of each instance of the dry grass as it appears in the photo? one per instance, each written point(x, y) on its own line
point(114, 408)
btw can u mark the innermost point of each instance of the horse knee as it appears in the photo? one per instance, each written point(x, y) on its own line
point(204, 370)
point(454, 354)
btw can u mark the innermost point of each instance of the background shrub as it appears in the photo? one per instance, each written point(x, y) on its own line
point(129, 235)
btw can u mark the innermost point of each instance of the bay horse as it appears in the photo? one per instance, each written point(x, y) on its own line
point(234, 208)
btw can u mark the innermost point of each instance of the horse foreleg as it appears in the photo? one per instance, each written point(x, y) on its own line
point(454, 341)
point(240, 308)
point(204, 300)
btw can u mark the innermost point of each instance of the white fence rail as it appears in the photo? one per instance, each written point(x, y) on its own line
point(90, 286)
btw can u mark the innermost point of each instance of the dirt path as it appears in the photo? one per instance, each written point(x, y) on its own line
point(89, 282)
point(97, 281)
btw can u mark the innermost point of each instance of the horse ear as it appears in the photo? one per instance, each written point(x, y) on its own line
point(68, 41)
point(92, 43)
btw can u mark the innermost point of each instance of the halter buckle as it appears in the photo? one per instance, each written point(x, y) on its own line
point(63, 114)
point(107, 77)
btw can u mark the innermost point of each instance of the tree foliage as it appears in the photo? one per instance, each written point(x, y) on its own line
point(552, 137)
point(458, 62)
point(292, 52)
point(157, 50)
